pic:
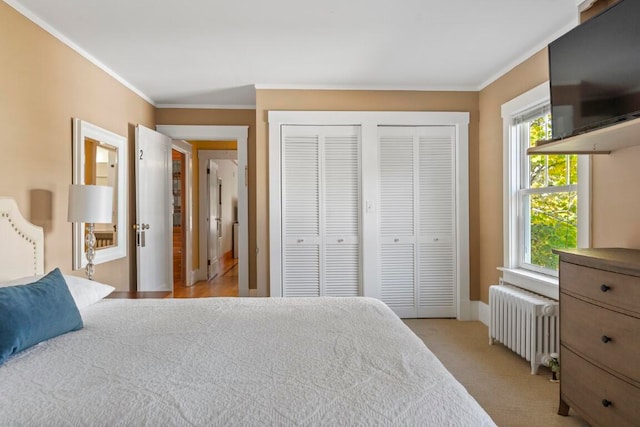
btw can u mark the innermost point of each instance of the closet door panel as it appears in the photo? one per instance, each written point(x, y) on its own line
point(397, 220)
point(341, 180)
point(436, 255)
point(301, 215)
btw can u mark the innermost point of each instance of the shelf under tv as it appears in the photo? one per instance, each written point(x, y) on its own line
point(600, 141)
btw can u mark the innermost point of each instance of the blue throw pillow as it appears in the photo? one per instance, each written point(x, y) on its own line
point(33, 313)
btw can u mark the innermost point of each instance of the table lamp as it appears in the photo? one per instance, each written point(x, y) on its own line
point(90, 204)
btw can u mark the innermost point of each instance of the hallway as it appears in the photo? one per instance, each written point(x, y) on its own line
point(225, 285)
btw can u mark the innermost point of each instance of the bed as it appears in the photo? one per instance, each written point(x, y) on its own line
point(225, 361)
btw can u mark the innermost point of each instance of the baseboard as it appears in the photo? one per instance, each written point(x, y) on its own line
point(484, 314)
point(480, 311)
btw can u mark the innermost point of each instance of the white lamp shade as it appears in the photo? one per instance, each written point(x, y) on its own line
point(90, 204)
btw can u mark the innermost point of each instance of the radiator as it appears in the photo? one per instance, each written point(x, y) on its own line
point(525, 322)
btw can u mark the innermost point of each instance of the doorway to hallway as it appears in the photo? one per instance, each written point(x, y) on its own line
point(195, 135)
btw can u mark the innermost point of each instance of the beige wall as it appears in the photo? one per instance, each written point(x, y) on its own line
point(520, 79)
point(616, 199)
point(43, 85)
point(186, 116)
point(290, 100)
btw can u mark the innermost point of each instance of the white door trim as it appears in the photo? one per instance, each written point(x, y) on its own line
point(186, 149)
point(239, 134)
point(369, 121)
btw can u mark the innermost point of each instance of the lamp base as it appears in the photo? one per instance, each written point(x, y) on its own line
point(90, 240)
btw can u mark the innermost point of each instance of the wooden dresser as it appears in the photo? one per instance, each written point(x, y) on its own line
point(600, 335)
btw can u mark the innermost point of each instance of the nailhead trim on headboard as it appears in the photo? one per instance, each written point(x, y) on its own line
point(29, 240)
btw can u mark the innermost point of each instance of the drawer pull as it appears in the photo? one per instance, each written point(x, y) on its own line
point(604, 288)
point(606, 403)
point(605, 339)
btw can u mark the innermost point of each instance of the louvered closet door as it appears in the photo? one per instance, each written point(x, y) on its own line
point(397, 225)
point(321, 211)
point(436, 256)
point(341, 204)
point(300, 214)
point(416, 220)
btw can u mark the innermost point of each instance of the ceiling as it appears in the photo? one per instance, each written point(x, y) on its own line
point(213, 52)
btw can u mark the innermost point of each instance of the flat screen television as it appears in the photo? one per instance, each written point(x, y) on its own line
point(594, 72)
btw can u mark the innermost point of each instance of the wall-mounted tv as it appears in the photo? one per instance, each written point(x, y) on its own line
point(595, 72)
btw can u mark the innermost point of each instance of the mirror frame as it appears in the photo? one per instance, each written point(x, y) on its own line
point(82, 130)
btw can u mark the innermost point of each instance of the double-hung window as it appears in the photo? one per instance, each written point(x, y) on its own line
point(546, 196)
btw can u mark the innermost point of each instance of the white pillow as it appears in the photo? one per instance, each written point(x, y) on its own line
point(85, 292)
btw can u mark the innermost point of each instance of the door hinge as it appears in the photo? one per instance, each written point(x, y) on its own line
point(208, 262)
point(208, 171)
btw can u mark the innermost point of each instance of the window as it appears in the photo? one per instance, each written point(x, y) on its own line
point(547, 197)
point(546, 203)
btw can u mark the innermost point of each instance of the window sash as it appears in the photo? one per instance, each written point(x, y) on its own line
point(521, 132)
point(524, 225)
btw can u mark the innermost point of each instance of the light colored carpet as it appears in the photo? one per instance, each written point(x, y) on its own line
point(497, 378)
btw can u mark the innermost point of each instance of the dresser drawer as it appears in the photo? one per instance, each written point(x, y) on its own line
point(585, 328)
point(585, 387)
point(620, 290)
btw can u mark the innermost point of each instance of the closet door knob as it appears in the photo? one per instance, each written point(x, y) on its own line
point(605, 339)
point(604, 288)
point(606, 403)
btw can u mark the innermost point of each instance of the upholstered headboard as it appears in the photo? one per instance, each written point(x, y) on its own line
point(21, 243)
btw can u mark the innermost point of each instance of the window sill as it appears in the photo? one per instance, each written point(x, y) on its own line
point(534, 282)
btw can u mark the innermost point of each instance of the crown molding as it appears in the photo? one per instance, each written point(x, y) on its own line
point(208, 106)
point(278, 86)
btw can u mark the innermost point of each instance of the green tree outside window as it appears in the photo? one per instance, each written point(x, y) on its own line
point(553, 215)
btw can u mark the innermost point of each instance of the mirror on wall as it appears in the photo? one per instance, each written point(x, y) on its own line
point(99, 158)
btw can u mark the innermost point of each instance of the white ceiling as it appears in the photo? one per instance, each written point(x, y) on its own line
point(213, 52)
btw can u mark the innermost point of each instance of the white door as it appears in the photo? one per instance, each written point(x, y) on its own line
point(154, 207)
point(213, 218)
point(321, 221)
point(417, 220)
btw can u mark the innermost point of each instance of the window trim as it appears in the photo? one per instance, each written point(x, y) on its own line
point(535, 281)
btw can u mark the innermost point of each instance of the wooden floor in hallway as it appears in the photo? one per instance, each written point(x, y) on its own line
point(225, 285)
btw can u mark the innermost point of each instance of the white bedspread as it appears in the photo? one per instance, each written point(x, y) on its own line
point(221, 361)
